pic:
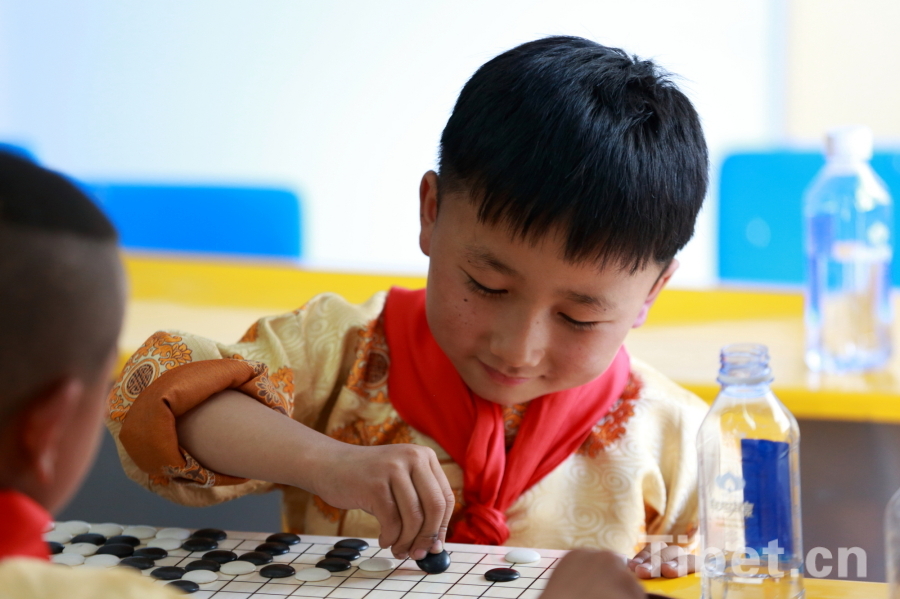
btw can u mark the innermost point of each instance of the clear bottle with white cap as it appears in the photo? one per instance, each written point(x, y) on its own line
point(848, 214)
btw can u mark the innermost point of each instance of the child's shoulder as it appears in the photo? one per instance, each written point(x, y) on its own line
point(664, 396)
point(334, 307)
point(29, 578)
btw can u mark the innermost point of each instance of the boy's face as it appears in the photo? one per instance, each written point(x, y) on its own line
point(517, 321)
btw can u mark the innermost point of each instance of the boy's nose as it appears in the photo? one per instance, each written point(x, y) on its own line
point(519, 343)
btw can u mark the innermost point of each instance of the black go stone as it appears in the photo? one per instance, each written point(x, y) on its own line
point(202, 564)
point(277, 571)
point(257, 557)
point(186, 586)
point(357, 544)
point(117, 549)
point(288, 538)
point(434, 563)
point(54, 547)
point(89, 537)
point(127, 539)
point(220, 556)
point(199, 544)
point(140, 563)
point(273, 548)
point(211, 533)
point(501, 575)
point(334, 564)
point(153, 553)
point(168, 573)
point(344, 553)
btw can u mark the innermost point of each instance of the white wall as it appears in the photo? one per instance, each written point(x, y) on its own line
point(343, 101)
point(843, 66)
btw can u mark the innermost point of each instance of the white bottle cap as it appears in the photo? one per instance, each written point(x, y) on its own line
point(853, 142)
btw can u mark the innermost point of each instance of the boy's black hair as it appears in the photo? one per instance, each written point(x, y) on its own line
point(563, 134)
point(61, 285)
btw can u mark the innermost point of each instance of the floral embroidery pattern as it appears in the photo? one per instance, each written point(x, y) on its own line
point(612, 427)
point(512, 420)
point(368, 376)
point(191, 473)
point(275, 391)
point(284, 379)
point(360, 433)
point(161, 352)
point(252, 334)
point(332, 514)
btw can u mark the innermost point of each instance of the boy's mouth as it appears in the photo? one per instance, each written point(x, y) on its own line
point(502, 379)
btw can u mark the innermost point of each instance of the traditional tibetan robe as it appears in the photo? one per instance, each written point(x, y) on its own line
point(602, 465)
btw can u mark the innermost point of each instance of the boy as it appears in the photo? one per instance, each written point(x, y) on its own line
point(500, 407)
point(63, 288)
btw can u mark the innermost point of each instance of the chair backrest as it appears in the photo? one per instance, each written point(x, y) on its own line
point(761, 213)
point(204, 219)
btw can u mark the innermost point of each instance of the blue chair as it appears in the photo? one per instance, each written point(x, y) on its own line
point(204, 219)
point(761, 215)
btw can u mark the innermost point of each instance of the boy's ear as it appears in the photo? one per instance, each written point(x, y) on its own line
point(658, 286)
point(43, 424)
point(428, 209)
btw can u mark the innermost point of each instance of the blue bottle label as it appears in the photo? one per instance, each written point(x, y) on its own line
point(767, 494)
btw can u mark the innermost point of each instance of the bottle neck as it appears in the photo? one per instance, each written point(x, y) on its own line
point(846, 164)
point(756, 389)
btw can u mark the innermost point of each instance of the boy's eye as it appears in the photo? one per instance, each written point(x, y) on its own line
point(477, 287)
point(578, 324)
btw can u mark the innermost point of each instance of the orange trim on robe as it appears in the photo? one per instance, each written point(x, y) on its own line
point(149, 433)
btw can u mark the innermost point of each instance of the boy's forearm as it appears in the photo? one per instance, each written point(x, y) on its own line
point(236, 435)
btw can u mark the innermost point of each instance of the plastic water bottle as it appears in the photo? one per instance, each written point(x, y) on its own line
point(749, 477)
point(848, 248)
point(892, 545)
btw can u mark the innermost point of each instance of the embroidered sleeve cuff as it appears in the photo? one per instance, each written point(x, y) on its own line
point(148, 430)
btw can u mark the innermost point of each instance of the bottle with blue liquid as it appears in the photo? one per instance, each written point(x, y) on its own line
point(749, 485)
point(848, 248)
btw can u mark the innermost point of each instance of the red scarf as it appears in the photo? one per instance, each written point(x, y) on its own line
point(22, 526)
point(430, 396)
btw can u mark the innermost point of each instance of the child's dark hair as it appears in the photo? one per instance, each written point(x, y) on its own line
point(563, 134)
point(61, 285)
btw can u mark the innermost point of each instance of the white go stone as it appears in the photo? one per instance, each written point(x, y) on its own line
point(68, 559)
point(73, 527)
point(200, 576)
point(164, 543)
point(107, 530)
point(84, 549)
point(238, 567)
point(140, 532)
point(377, 564)
point(50, 526)
point(173, 533)
point(57, 536)
point(309, 574)
point(101, 560)
point(522, 556)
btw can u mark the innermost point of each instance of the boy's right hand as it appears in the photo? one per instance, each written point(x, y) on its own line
point(402, 485)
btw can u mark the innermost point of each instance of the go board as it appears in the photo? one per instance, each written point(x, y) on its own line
point(465, 576)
